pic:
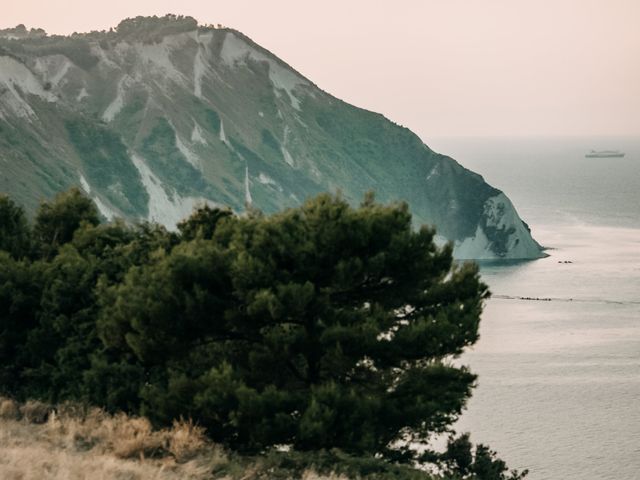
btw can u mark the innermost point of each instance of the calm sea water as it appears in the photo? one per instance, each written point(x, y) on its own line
point(559, 380)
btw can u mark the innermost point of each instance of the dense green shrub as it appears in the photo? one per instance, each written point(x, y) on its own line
point(56, 222)
point(76, 49)
point(15, 236)
point(324, 328)
point(212, 120)
point(269, 140)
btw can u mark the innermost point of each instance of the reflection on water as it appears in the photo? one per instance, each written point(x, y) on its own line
point(559, 380)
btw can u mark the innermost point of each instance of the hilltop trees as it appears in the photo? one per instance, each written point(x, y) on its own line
point(321, 327)
point(49, 293)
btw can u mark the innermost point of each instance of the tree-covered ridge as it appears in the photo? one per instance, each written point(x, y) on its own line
point(320, 327)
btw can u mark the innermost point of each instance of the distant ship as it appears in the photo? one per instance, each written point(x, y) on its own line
point(605, 154)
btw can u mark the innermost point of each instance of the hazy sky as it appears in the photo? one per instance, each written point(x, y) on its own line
point(448, 67)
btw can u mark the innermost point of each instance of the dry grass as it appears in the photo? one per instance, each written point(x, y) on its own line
point(35, 412)
point(9, 409)
point(69, 442)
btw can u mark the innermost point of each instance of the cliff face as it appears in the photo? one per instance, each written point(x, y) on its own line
point(161, 114)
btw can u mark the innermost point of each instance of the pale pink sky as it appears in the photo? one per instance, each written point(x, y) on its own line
point(439, 67)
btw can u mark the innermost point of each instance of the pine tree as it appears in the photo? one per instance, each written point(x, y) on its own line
point(320, 327)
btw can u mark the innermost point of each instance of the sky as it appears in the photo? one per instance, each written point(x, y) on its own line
point(439, 67)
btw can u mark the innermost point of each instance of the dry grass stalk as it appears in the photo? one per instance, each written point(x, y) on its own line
point(186, 440)
point(79, 443)
point(9, 409)
point(34, 411)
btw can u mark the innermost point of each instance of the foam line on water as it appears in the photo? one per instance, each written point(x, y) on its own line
point(556, 299)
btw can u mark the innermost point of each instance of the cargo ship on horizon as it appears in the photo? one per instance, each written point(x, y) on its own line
point(604, 154)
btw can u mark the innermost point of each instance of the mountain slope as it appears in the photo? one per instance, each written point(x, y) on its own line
point(162, 114)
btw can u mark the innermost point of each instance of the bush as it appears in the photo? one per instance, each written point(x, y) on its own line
point(186, 440)
point(321, 328)
point(135, 438)
point(9, 409)
point(34, 411)
point(14, 231)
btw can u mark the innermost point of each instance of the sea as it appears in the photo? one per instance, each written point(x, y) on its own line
point(558, 360)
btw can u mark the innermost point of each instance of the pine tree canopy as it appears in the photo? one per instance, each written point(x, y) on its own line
point(323, 326)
